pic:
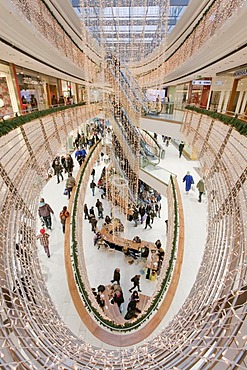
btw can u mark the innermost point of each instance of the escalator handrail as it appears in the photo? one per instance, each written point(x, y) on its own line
point(125, 93)
point(133, 85)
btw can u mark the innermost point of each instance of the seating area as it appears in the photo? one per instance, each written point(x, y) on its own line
point(112, 310)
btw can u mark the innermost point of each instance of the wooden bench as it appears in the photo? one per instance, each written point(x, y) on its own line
point(143, 301)
point(112, 310)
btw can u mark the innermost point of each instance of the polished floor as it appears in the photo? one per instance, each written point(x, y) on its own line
point(101, 264)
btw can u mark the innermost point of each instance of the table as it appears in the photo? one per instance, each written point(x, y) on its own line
point(123, 244)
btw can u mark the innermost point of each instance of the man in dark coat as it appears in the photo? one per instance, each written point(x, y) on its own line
point(136, 281)
point(148, 220)
point(85, 210)
point(94, 223)
point(181, 148)
point(45, 213)
point(93, 186)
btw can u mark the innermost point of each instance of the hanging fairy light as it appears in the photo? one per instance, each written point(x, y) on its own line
point(209, 321)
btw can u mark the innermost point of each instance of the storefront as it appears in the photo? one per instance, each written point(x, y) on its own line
point(52, 89)
point(220, 92)
point(68, 93)
point(32, 90)
point(81, 94)
point(199, 92)
point(229, 93)
point(238, 97)
point(8, 95)
point(181, 95)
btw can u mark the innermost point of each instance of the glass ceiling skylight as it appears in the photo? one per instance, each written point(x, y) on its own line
point(132, 29)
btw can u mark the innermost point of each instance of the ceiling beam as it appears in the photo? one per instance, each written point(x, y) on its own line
point(125, 3)
point(126, 35)
point(125, 22)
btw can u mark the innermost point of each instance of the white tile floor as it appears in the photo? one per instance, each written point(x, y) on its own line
point(100, 263)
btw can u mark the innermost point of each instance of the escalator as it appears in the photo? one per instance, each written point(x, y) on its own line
point(129, 87)
point(151, 152)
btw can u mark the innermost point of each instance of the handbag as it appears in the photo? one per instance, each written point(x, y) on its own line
point(65, 192)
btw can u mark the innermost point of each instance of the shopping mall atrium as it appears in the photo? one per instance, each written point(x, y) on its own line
point(123, 167)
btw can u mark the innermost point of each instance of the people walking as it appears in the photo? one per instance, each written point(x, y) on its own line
point(58, 169)
point(94, 223)
point(70, 183)
point(157, 209)
point(142, 212)
point(201, 188)
point(181, 148)
point(64, 214)
point(43, 237)
point(91, 213)
point(93, 174)
point(148, 221)
point(135, 216)
point(188, 179)
point(68, 164)
point(152, 215)
point(93, 186)
point(99, 206)
point(44, 212)
point(116, 276)
point(85, 210)
point(136, 281)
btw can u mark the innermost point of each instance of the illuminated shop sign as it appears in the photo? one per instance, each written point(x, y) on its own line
point(241, 72)
point(201, 82)
point(30, 81)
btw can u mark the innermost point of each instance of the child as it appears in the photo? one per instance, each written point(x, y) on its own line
point(44, 241)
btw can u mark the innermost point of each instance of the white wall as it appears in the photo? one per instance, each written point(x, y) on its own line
point(162, 127)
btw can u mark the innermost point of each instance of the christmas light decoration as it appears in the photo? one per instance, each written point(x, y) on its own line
point(209, 328)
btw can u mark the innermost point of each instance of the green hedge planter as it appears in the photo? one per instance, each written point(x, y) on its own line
point(81, 286)
point(238, 124)
point(8, 125)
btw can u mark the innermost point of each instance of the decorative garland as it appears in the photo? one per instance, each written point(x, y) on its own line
point(65, 31)
point(240, 126)
point(81, 286)
point(12, 123)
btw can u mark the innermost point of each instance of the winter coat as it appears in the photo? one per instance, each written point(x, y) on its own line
point(45, 210)
point(200, 186)
point(70, 182)
point(118, 298)
point(63, 215)
point(85, 209)
point(92, 185)
point(94, 222)
point(188, 179)
point(116, 276)
point(69, 164)
point(135, 280)
point(58, 168)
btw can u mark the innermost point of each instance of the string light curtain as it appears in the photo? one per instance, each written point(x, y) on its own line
point(131, 29)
